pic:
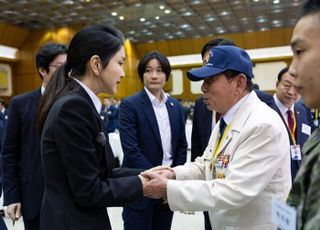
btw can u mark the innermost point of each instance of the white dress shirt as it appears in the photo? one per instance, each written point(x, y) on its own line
point(96, 101)
point(161, 112)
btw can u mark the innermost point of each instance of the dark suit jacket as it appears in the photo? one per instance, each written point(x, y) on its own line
point(301, 115)
point(140, 136)
point(201, 128)
point(22, 174)
point(202, 121)
point(80, 180)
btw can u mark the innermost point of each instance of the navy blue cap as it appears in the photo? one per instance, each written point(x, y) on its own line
point(223, 58)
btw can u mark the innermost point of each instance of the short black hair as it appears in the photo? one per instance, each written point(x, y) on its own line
point(230, 74)
point(310, 7)
point(282, 72)
point(163, 60)
point(216, 42)
point(47, 53)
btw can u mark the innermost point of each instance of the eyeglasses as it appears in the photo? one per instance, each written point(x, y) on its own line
point(55, 66)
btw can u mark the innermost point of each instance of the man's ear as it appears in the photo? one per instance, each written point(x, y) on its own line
point(241, 81)
point(95, 64)
point(42, 72)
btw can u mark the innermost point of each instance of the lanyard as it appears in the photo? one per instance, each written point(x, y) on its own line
point(216, 151)
point(292, 132)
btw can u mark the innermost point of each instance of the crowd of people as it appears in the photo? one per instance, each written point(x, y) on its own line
point(247, 147)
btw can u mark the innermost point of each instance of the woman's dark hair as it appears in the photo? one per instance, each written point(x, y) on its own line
point(163, 60)
point(101, 40)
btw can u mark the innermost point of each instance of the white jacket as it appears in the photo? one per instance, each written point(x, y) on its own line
point(257, 146)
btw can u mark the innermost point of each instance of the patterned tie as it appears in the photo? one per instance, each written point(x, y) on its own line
point(290, 120)
point(222, 127)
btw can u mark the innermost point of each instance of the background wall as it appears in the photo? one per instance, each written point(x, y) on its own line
point(25, 76)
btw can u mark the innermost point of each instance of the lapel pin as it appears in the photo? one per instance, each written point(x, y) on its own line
point(171, 103)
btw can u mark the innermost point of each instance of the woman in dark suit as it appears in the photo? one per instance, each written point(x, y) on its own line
point(80, 179)
point(152, 133)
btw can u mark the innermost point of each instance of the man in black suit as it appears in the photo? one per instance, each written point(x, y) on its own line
point(22, 172)
point(292, 112)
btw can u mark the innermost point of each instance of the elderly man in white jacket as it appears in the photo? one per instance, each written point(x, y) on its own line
point(247, 160)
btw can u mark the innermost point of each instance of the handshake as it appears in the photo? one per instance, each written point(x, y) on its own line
point(154, 181)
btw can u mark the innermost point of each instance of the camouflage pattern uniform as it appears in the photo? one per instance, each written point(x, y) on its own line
point(305, 193)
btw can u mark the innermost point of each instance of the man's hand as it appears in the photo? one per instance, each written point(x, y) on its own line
point(165, 171)
point(14, 211)
point(156, 188)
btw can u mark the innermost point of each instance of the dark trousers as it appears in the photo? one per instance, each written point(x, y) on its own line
point(2, 224)
point(154, 216)
point(207, 225)
point(33, 224)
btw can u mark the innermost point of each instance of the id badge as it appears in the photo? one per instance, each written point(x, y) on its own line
point(283, 216)
point(295, 152)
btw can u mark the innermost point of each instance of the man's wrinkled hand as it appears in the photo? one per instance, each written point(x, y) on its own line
point(156, 187)
point(14, 211)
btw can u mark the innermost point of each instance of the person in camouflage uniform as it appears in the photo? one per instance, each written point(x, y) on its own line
point(305, 43)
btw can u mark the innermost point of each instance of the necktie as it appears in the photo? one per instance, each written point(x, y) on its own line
point(290, 120)
point(222, 126)
point(218, 115)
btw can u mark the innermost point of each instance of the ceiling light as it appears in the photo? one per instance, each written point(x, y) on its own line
point(276, 22)
point(224, 13)
point(264, 29)
point(137, 5)
point(167, 11)
point(184, 26)
point(161, 7)
point(114, 13)
point(142, 19)
point(121, 17)
point(209, 19)
point(188, 13)
point(195, 2)
point(279, 10)
point(68, 2)
point(261, 19)
point(157, 17)
point(276, 1)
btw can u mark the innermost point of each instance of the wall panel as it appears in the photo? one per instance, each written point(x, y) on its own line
point(250, 40)
point(12, 36)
